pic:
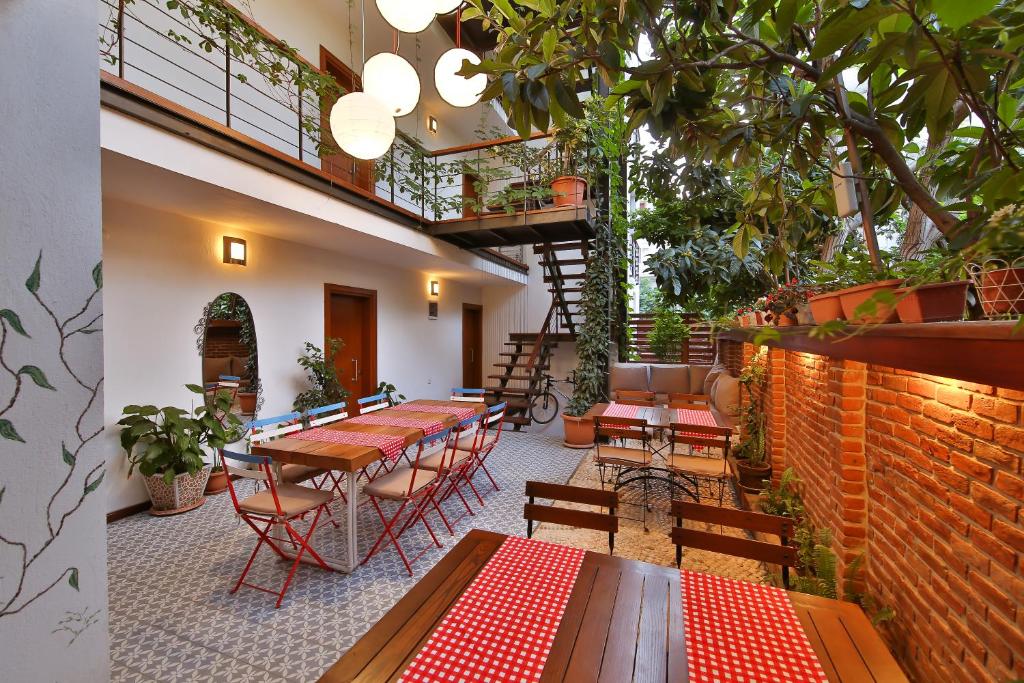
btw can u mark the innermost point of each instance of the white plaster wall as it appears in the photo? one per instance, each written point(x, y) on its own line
point(162, 269)
point(53, 617)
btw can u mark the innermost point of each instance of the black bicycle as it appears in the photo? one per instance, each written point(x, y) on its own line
point(545, 405)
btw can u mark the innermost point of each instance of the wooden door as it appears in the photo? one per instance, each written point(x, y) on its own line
point(350, 314)
point(334, 161)
point(472, 343)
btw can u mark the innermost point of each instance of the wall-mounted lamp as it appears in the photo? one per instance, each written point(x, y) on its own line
point(432, 125)
point(234, 250)
point(435, 288)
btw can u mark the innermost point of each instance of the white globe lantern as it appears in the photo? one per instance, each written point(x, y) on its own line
point(393, 81)
point(408, 16)
point(362, 125)
point(446, 6)
point(457, 90)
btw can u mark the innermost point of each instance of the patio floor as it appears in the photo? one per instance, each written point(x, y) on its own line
point(172, 618)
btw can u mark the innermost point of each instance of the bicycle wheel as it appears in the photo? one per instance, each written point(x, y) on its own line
point(544, 407)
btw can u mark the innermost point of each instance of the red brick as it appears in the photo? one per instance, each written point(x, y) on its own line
point(991, 593)
point(973, 425)
point(995, 408)
point(952, 479)
point(993, 547)
point(997, 647)
point(1013, 636)
point(1011, 534)
point(1011, 394)
point(1010, 584)
point(1011, 484)
point(953, 396)
point(971, 510)
point(970, 554)
point(1010, 437)
point(967, 639)
point(971, 467)
point(937, 411)
point(1000, 456)
point(995, 502)
point(921, 387)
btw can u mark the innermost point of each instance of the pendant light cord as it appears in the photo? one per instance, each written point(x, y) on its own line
point(362, 20)
point(458, 27)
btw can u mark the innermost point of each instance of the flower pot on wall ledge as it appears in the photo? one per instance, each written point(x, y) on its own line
point(1002, 291)
point(853, 297)
point(184, 493)
point(579, 431)
point(569, 190)
point(247, 402)
point(826, 307)
point(939, 302)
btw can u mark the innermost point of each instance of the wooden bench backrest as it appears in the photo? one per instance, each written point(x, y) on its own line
point(782, 527)
point(623, 427)
point(583, 519)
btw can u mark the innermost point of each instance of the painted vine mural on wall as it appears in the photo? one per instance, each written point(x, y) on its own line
point(18, 591)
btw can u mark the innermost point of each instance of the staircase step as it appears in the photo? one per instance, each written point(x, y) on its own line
point(521, 365)
point(560, 246)
point(516, 378)
point(567, 290)
point(566, 276)
point(518, 391)
point(565, 262)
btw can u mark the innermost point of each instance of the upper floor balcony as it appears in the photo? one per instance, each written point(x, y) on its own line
point(269, 105)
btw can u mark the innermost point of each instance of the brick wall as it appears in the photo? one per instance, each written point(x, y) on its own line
point(923, 476)
point(222, 342)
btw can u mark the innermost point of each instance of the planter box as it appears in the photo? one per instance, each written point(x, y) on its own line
point(940, 302)
point(181, 495)
point(826, 307)
point(853, 297)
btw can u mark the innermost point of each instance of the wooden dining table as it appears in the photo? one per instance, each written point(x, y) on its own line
point(351, 459)
point(658, 417)
point(623, 622)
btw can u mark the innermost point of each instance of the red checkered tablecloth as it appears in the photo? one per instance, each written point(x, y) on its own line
point(389, 419)
point(390, 446)
point(741, 631)
point(459, 412)
point(620, 410)
point(502, 627)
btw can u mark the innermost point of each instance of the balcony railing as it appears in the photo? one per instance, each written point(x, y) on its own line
point(147, 48)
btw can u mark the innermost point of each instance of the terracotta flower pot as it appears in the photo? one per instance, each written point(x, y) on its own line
point(932, 303)
point(853, 297)
point(184, 493)
point(217, 483)
point(785, 319)
point(753, 477)
point(1002, 291)
point(569, 190)
point(579, 431)
point(826, 307)
point(247, 402)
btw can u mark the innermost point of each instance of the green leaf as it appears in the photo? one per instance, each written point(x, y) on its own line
point(66, 455)
point(842, 31)
point(550, 41)
point(73, 579)
point(194, 388)
point(14, 321)
point(8, 431)
point(958, 13)
point(37, 375)
point(32, 283)
point(97, 275)
point(95, 484)
point(784, 17)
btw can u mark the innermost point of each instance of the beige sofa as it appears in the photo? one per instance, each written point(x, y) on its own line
point(714, 381)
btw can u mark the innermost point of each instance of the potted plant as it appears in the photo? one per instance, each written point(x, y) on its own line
point(394, 396)
point(784, 303)
point(592, 347)
point(570, 189)
point(866, 294)
point(997, 263)
point(322, 375)
point(167, 445)
point(932, 292)
point(751, 456)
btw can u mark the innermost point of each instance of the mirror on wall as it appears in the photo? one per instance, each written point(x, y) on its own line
point(227, 345)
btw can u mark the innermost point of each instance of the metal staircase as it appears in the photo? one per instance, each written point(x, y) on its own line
point(521, 373)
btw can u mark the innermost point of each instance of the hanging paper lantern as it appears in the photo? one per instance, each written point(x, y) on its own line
point(446, 6)
point(393, 81)
point(408, 16)
point(362, 125)
point(457, 90)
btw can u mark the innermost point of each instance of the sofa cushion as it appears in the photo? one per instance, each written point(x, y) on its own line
point(238, 364)
point(725, 395)
point(714, 372)
point(214, 368)
point(698, 373)
point(670, 379)
point(629, 376)
point(627, 395)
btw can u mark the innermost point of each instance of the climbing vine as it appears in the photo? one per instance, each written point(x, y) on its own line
point(85, 321)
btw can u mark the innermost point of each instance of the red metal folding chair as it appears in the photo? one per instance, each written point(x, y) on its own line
point(278, 506)
point(452, 466)
point(484, 443)
point(413, 488)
